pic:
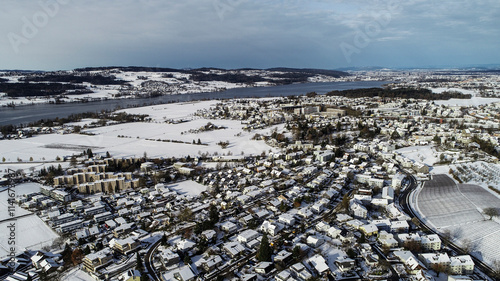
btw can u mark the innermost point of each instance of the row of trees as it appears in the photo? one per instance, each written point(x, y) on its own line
point(95, 79)
point(405, 93)
point(40, 89)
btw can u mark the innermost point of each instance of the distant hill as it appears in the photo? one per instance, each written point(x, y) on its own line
point(52, 83)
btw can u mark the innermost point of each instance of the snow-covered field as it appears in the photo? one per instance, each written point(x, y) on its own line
point(172, 110)
point(480, 173)
point(175, 85)
point(188, 188)
point(474, 101)
point(133, 139)
point(425, 154)
point(458, 209)
point(28, 167)
point(82, 122)
point(76, 274)
point(30, 231)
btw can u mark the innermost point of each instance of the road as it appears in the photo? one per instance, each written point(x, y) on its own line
point(148, 261)
point(404, 202)
point(148, 258)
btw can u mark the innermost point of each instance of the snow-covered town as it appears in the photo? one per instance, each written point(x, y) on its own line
point(312, 187)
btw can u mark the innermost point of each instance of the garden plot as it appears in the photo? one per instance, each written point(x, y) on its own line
point(480, 197)
point(458, 208)
point(483, 235)
point(482, 173)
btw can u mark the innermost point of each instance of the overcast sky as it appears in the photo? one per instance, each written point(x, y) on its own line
point(330, 34)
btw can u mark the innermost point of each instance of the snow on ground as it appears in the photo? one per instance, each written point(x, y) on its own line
point(25, 226)
point(459, 210)
point(479, 173)
point(463, 91)
point(31, 233)
point(19, 190)
point(105, 92)
point(82, 122)
point(45, 147)
point(425, 154)
point(440, 169)
point(175, 111)
point(474, 101)
point(27, 167)
point(157, 139)
point(98, 94)
point(76, 274)
point(189, 188)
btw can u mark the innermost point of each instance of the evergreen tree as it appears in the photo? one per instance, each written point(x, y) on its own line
point(164, 240)
point(139, 265)
point(66, 254)
point(265, 251)
point(297, 254)
point(213, 215)
point(90, 154)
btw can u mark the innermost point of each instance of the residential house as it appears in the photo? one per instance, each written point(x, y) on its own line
point(92, 262)
point(461, 265)
point(314, 241)
point(264, 267)
point(233, 249)
point(247, 236)
point(300, 271)
point(399, 226)
point(434, 260)
point(228, 227)
point(168, 257)
point(387, 239)
point(431, 242)
point(357, 209)
point(124, 246)
point(271, 228)
point(369, 229)
point(283, 257)
point(345, 264)
point(287, 219)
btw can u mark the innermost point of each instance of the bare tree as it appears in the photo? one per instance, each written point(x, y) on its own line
point(467, 245)
point(496, 269)
point(446, 237)
point(491, 212)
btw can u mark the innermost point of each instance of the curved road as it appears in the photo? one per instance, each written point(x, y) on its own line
point(148, 261)
point(404, 199)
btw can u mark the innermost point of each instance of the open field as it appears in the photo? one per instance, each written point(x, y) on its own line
point(156, 138)
point(30, 232)
point(425, 154)
point(188, 188)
